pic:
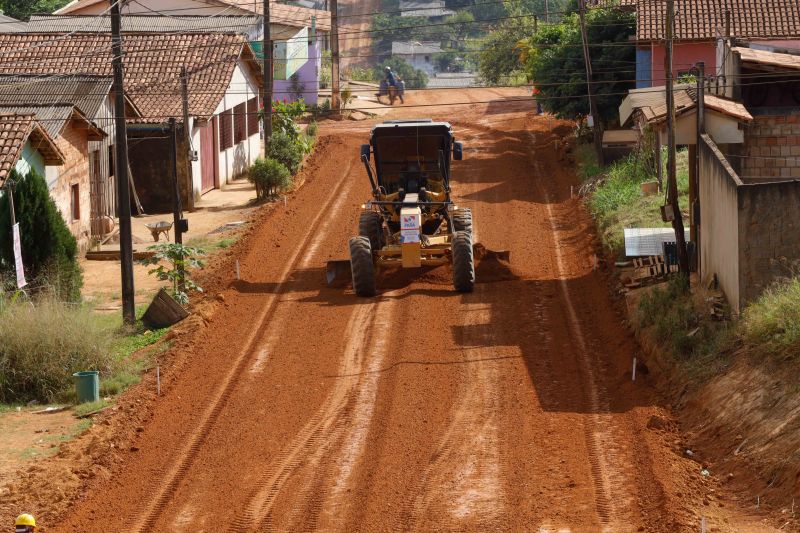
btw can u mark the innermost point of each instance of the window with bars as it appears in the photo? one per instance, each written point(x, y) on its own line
point(252, 117)
point(239, 123)
point(225, 130)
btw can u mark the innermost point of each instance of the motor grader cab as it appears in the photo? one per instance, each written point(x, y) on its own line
point(411, 220)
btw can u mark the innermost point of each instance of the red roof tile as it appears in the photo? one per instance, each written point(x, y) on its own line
point(15, 130)
point(152, 65)
point(705, 19)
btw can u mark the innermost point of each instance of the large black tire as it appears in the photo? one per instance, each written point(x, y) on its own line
point(370, 225)
point(462, 220)
point(463, 262)
point(362, 266)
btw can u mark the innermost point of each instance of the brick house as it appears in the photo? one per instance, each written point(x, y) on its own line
point(92, 95)
point(299, 33)
point(700, 24)
point(68, 182)
point(224, 81)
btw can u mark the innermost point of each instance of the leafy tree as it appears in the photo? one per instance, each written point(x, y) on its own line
point(49, 250)
point(415, 79)
point(23, 9)
point(387, 28)
point(499, 57)
point(459, 27)
point(555, 64)
point(286, 150)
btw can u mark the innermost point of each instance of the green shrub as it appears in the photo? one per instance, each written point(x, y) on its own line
point(360, 74)
point(286, 150)
point(49, 251)
point(773, 321)
point(312, 129)
point(174, 263)
point(43, 346)
point(269, 176)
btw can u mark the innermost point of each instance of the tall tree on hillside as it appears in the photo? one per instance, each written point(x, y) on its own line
point(23, 9)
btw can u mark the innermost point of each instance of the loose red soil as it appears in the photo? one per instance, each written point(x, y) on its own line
point(295, 406)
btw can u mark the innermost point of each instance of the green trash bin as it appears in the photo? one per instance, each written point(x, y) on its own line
point(87, 385)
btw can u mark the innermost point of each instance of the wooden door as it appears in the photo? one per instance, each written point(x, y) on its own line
point(208, 156)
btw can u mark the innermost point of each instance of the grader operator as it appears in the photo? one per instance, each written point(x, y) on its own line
point(411, 220)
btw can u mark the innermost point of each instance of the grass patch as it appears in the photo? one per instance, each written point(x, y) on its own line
point(88, 408)
point(772, 323)
point(617, 203)
point(211, 244)
point(672, 315)
point(44, 344)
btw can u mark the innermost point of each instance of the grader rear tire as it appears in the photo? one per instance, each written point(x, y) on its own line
point(462, 220)
point(370, 225)
point(362, 266)
point(463, 262)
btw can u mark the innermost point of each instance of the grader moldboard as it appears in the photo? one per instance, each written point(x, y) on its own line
point(411, 220)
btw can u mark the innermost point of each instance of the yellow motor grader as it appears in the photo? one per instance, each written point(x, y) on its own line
point(411, 220)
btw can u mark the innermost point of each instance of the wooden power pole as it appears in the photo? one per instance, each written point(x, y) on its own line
point(187, 133)
point(123, 180)
point(672, 180)
point(335, 57)
point(266, 97)
point(593, 111)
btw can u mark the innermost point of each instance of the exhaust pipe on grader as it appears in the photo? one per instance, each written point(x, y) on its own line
point(411, 220)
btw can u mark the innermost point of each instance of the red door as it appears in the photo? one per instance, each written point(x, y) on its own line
point(208, 156)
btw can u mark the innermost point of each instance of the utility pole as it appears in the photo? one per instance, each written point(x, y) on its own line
point(547, 11)
point(593, 112)
point(266, 99)
point(672, 181)
point(694, 157)
point(335, 58)
point(177, 214)
point(123, 179)
point(188, 133)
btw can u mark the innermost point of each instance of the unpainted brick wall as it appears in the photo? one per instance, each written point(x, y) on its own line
point(74, 144)
point(769, 234)
point(772, 148)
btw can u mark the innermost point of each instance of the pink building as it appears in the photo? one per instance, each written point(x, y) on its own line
point(699, 24)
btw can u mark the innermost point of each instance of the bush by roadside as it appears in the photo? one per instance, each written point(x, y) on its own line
point(270, 177)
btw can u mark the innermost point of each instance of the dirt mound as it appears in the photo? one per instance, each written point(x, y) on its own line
point(493, 266)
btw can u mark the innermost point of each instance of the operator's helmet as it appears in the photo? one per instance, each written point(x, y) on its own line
point(24, 523)
point(388, 69)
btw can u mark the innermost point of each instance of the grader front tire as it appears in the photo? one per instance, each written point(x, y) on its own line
point(362, 266)
point(463, 262)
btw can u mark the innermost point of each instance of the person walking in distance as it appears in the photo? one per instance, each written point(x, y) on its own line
point(391, 81)
point(25, 523)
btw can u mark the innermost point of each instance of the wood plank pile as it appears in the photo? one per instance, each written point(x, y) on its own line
point(648, 270)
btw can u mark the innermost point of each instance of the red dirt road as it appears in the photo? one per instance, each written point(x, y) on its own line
point(508, 409)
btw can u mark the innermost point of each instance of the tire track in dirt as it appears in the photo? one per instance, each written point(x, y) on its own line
point(614, 502)
point(170, 481)
point(337, 429)
point(463, 483)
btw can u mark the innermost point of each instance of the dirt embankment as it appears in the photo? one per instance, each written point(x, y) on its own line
point(744, 425)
